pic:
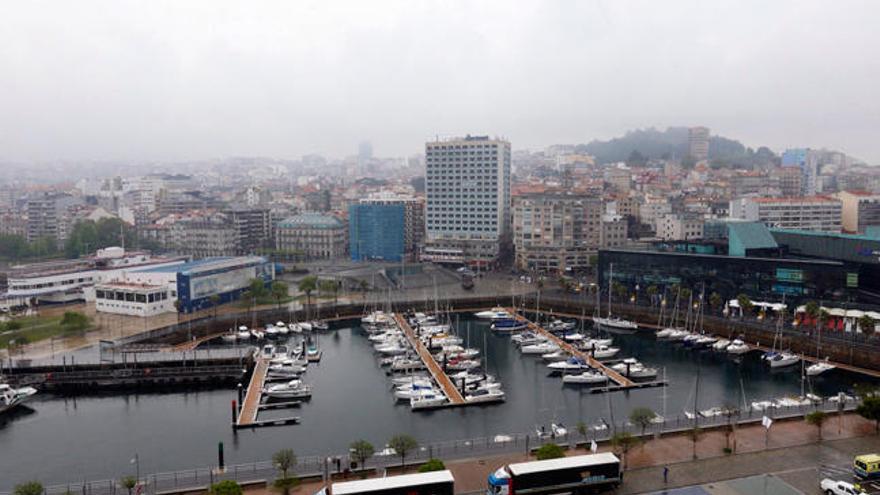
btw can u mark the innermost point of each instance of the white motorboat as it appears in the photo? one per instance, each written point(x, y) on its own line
point(268, 351)
point(613, 323)
point(462, 364)
point(243, 333)
point(392, 349)
point(484, 395)
point(738, 347)
point(294, 389)
point(403, 365)
point(295, 327)
point(572, 337)
point(229, 338)
point(763, 405)
point(588, 377)
point(305, 326)
point(781, 359)
point(282, 328)
point(14, 397)
point(377, 317)
point(721, 345)
point(820, 367)
point(558, 429)
point(604, 352)
point(405, 380)
point(285, 373)
point(631, 368)
point(320, 325)
point(427, 401)
point(572, 364)
point(524, 338)
point(539, 348)
point(257, 334)
point(406, 394)
point(313, 354)
point(470, 377)
point(493, 314)
point(678, 335)
point(665, 333)
point(705, 341)
point(271, 332)
point(712, 412)
point(589, 344)
point(551, 357)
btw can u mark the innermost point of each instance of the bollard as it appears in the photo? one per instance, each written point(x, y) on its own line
point(240, 392)
point(234, 413)
point(220, 459)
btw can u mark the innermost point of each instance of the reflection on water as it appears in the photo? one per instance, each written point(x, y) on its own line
point(94, 437)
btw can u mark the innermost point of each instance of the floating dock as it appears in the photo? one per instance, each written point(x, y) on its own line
point(622, 382)
point(452, 393)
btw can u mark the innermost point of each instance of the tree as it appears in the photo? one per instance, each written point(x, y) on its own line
point(128, 482)
point(257, 288)
point(583, 430)
point(308, 285)
point(812, 309)
point(279, 291)
point(330, 286)
point(363, 285)
point(817, 418)
point(867, 325)
point(642, 417)
point(715, 300)
point(28, 488)
point(622, 442)
point(652, 292)
point(870, 410)
point(284, 460)
point(361, 450)
point(549, 451)
point(226, 487)
point(432, 465)
point(730, 411)
point(745, 304)
point(402, 444)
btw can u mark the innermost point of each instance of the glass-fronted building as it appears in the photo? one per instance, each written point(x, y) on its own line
point(764, 279)
point(377, 231)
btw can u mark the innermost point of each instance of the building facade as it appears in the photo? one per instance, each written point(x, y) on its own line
point(698, 143)
point(468, 200)
point(679, 227)
point(386, 226)
point(312, 235)
point(556, 232)
point(203, 235)
point(817, 213)
point(859, 210)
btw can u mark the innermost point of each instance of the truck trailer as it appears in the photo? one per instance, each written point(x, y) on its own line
point(576, 474)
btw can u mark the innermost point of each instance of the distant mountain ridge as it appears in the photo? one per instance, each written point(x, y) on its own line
point(672, 143)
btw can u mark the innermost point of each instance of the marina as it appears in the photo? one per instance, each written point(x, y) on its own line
point(355, 392)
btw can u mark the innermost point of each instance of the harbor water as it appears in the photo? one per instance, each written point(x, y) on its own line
point(64, 439)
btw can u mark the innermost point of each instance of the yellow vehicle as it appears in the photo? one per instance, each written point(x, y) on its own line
point(867, 466)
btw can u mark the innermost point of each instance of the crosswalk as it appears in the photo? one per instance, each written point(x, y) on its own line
point(843, 472)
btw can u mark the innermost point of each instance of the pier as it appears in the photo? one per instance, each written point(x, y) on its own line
point(440, 376)
point(623, 383)
point(251, 404)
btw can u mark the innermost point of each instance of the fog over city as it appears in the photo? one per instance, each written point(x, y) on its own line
point(172, 81)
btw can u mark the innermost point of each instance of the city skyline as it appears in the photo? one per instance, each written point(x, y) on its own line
point(146, 82)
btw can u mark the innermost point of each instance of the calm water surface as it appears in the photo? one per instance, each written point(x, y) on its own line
point(93, 437)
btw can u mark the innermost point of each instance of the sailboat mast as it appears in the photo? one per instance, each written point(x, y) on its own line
point(610, 284)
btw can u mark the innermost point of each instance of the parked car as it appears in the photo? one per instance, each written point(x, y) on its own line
point(833, 487)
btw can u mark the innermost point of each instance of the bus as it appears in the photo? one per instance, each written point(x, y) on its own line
point(578, 474)
point(431, 483)
point(867, 466)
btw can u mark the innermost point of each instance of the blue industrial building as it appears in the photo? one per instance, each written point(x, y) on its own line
point(377, 231)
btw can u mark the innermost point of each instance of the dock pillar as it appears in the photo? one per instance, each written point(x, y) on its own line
point(220, 461)
point(240, 392)
point(234, 413)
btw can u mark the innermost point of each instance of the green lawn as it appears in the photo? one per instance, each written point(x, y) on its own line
point(34, 328)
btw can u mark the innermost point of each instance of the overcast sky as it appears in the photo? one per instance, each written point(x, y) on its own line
point(180, 80)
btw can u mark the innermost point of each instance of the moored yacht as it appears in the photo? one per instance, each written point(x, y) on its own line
point(588, 377)
point(13, 397)
point(820, 367)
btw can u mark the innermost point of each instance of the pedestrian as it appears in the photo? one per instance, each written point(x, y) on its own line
point(665, 474)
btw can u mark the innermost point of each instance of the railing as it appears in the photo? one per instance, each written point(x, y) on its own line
point(318, 467)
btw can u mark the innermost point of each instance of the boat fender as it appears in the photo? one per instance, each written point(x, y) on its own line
point(148, 371)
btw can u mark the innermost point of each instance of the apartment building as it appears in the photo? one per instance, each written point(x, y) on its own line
point(859, 210)
point(819, 213)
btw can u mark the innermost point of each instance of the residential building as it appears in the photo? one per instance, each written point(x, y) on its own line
point(468, 200)
point(253, 227)
point(653, 208)
point(203, 234)
point(556, 232)
point(679, 227)
point(386, 226)
point(13, 223)
point(817, 213)
point(807, 161)
point(698, 143)
point(789, 180)
point(312, 235)
point(860, 209)
point(619, 178)
point(47, 215)
point(613, 233)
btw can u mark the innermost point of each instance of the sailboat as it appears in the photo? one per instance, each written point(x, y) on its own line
point(820, 366)
point(780, 359)
point(613, 323)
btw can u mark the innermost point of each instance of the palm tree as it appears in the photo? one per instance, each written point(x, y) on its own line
point(361, 450)
point(695, 433)
point(715, 300)
point(652, 292)
point(745, 304)
point(308, 285)
point(284, 460)
point(730, 411)
point(817, 418)
point(623, 441)
point(812, 309)
point(583, 430)
point(329, 286)
point(279, 291)
point(402, 444)
point(867, 325)
point(128, 482)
